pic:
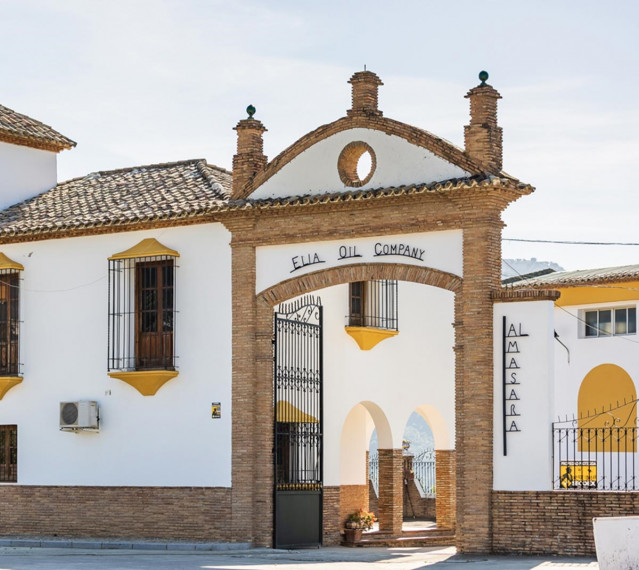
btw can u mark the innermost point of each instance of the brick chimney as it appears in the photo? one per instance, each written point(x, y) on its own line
point(250, 157)
point(365, 84)
point(483, 138)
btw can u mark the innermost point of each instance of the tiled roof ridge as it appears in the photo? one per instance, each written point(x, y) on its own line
point(22, 129)
point(156, 165)
point(127, 206)
point(477, 181)
point(581, 277)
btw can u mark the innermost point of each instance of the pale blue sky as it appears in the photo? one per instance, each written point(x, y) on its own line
point(138, 82)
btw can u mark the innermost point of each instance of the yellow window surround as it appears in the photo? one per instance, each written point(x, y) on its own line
point(8, 382)
point(287, 412)
point(147, 382)
point(149, 247)
point(368, 337)
point(6, 263)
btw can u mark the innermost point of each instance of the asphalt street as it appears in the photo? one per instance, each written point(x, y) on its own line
point(334, 558)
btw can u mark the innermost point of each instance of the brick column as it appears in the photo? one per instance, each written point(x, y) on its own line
point(391, 497)
point(445, 487)
point(251, 470)
point(474, 375)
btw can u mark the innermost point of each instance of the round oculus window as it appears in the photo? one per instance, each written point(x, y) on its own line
point(356, 164)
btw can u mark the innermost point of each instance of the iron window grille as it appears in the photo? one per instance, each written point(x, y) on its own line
point(9, 323)
point(142, 313)
point(9, 454)
point(373, 304)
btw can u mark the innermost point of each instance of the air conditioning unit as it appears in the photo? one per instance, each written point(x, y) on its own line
point(79, 415)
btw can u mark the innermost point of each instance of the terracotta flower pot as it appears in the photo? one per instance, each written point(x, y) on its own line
point(352, 535)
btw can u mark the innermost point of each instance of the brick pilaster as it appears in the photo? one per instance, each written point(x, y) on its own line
point(245, 448)
point(446, 488)
point(474, 379)
point(391, 492)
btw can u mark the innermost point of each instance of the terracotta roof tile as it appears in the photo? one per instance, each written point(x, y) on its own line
point(160, 191)
point(480, 181)
point(19, 129)
point(179, 190)
point(581, 277)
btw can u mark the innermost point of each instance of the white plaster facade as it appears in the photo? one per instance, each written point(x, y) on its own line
point(169, 439)
point(25, 172)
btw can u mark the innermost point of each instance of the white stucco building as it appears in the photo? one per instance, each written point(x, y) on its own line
point(138, 311)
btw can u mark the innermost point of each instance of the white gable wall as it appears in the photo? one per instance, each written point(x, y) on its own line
point(25, 172)
point(399, 162)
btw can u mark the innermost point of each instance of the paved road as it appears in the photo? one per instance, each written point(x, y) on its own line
point(323, 559)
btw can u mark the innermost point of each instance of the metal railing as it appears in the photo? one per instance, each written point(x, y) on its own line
point(595, 458)
point(424, 470)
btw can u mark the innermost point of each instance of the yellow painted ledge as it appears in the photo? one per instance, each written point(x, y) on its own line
point(8, 382)
point(147, 382)
point(368, 337)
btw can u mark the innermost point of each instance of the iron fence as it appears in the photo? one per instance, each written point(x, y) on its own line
point(424, 469)
point(595, 458)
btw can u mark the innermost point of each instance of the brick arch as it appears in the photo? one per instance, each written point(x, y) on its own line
point(358, 272)
point(413, 135)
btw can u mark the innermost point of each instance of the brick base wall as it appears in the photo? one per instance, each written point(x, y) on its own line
point(554, 522)
point(189, 513)
point(331, 519)
point(352, 498)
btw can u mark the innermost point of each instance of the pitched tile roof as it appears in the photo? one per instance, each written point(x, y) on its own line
point(581, 277)
point(19, 129)
point(179, 190)
point(160, 191)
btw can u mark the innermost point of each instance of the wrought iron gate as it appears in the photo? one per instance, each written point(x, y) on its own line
point(298, 423)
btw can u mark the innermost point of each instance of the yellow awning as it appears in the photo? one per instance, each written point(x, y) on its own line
point(6, 263)
point(287, 412)
point(149, 247)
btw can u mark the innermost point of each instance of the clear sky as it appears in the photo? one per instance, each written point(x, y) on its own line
point(139, 82)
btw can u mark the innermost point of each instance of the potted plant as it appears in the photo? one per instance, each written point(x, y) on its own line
point(358, 522)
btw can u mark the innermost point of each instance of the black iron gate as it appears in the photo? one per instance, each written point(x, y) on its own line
point(298, 424)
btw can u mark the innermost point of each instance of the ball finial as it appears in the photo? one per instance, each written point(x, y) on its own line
point(251, 111)
point(483, 76)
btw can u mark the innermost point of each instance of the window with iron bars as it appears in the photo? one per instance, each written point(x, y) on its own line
point(373, 304)
point(142, 313)
point(8, 454)
point(9, 323)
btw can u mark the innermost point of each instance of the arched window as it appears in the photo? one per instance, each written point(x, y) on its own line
point(607, 400)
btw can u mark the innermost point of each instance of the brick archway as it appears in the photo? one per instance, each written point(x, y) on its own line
point(262, 438)
point(358, 272)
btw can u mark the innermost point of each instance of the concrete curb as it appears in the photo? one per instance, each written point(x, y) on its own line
point(119, 545)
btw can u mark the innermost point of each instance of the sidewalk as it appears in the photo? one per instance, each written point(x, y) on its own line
point(334, 558)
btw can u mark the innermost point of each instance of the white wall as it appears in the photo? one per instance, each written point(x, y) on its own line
point(414, 368)
point(439, 250)
point(398, 162)
point(528, 463)
point(166, 439)
point(25, 172)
